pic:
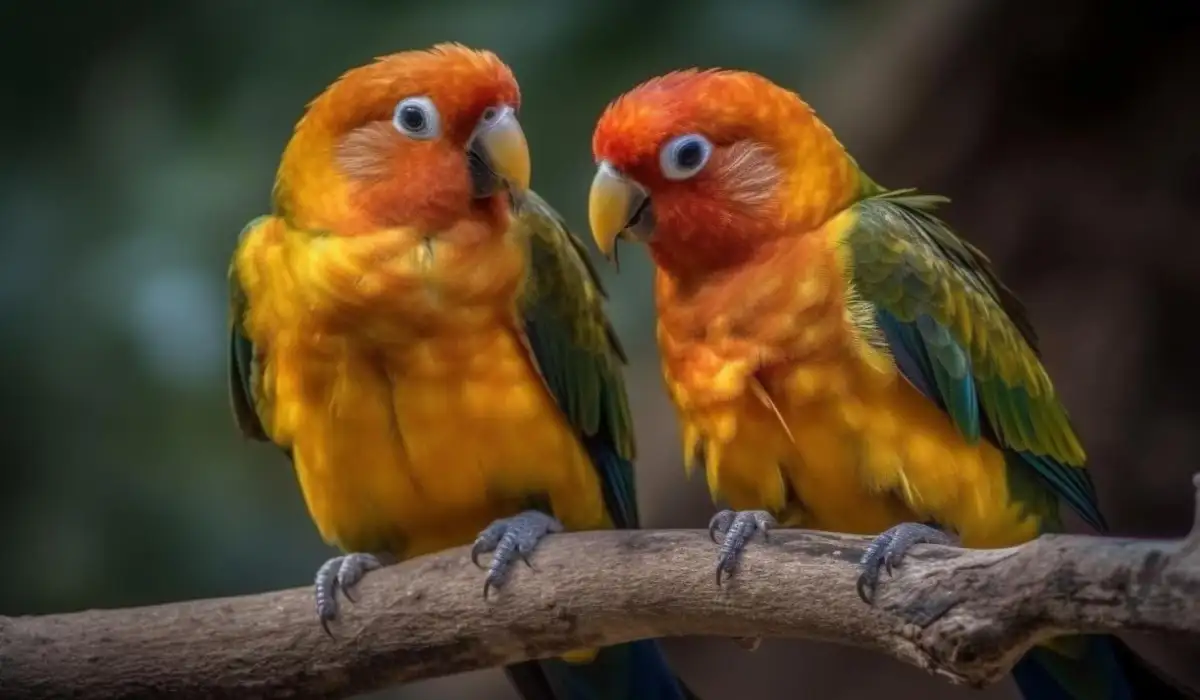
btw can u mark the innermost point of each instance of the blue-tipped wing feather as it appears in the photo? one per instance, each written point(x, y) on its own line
point(960, 338)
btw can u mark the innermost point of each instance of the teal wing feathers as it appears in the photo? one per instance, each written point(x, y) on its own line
point(963, 339)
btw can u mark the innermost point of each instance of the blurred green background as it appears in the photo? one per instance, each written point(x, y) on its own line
point(139, 136)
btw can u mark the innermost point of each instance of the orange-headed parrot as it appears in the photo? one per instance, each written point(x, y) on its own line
point(426, 341)
point(839, 356)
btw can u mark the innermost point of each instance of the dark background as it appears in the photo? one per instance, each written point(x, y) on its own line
point(139, 136)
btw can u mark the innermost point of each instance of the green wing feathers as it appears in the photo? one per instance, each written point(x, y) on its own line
point(245, 374)
point(963, 338)
point(576, 348)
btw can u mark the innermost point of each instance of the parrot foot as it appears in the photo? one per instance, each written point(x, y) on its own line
point(342, 572)
point(888, 551)
point(748, 643)
point(509, 538)
point(736, 528)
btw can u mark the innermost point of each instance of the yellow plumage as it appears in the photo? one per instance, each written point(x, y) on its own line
point(833, 418)
point(841, 357)
point(395, 369)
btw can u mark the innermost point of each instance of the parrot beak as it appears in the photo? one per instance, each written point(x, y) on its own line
point(617, 206)
point(497, 150)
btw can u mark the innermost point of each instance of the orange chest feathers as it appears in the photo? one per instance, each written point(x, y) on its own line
point(790, 399)
point(721, 340)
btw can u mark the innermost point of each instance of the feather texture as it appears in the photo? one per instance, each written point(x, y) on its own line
point(963, 339)
point(431, 354)
point(576, 349)
point(422, 394)
point(839, 356)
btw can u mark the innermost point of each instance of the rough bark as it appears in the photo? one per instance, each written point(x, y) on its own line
point(966, 615)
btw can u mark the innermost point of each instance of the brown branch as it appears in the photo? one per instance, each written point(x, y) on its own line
point(964, 614)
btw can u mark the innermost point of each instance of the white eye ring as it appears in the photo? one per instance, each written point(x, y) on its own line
point(684, 156)
point(492, 113)
point(417, 118)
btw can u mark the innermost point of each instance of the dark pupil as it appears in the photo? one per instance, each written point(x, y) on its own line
point(412, 118)
point(689, 155)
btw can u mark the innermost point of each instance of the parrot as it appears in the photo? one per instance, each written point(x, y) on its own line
point(425, 340)
point(837, 356)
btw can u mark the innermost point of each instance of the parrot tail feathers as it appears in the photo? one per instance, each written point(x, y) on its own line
point(1098, 667)
point(634, 671)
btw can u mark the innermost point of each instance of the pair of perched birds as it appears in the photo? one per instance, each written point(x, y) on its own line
point(425, 339)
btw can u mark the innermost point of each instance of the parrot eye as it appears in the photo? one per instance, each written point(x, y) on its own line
point(417, 118)
point(684, 156)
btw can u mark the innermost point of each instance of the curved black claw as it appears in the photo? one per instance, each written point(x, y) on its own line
point(736, 528)
point(748, 643)
point(888, 550)
point(341, 573)
point(509, 538)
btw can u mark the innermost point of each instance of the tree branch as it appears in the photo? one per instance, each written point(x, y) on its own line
point(963, 614)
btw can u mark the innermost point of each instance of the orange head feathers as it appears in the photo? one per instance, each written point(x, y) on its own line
point(417, 138)
point(703, 165)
